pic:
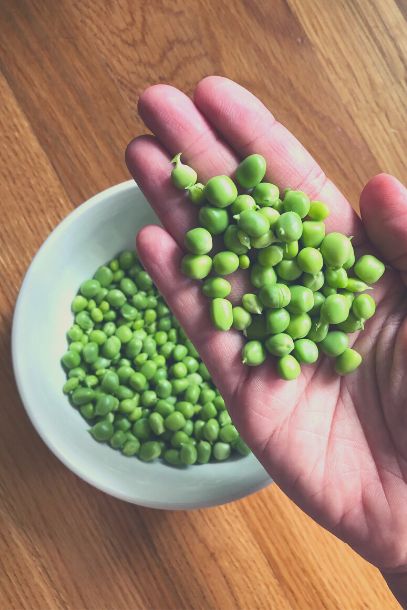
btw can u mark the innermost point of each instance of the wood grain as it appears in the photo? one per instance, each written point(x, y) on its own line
point(71, 74)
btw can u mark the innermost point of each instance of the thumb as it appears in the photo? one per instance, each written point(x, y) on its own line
point(383, 207)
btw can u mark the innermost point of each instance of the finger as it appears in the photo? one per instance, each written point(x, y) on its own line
point(181, 127)
point(248, 127)
point(383, 206)
point(221, 351)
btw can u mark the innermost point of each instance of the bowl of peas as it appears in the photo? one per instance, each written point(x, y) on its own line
point(108, 377)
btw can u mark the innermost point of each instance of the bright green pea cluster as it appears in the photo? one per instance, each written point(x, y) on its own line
point(134, 374)
point(300, 276)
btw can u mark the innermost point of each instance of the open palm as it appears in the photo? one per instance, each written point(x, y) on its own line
point(337, 446)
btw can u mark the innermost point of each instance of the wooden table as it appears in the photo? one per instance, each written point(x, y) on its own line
point(71, 74)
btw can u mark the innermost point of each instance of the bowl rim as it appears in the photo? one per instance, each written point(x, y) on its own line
point(27, 403)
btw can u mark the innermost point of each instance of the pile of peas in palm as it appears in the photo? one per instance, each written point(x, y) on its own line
point(135, 375)
point(305, 283)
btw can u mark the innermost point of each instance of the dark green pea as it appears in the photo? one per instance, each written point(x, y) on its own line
point(162, 310)
point(313, 282)
point(256, 331)
point(254, 223)
point(100, 298)
point(305, 351)
point(128, 287)
point(142, 428)
point(102, 431)
point(334, 344)
point(118, 439)
point(241, 447)
point(124, 392)
point(221, 314)
point(196, 194)
point(149, 451)
point(221, 451)
point(203, 371)
point(163, 388)
point(253, 354)
point(90, 288)
point(250, 172)
point(288, 269)
point(211, 430)
point(70, 385)
point(242, 202)
point(355, 285)
point(149, 346)
point(191, 349)
point(164, 324)
point(296, 201)
point(134, 269)
point(105, 404)
point(277, 320)
point(81, 396)
point(279, 345)
point(225, 263)
point(173, 335)
point(192, 394)
point(215, 220)
point(131, 447)
point(140, 360)
point(347, 362)
point(275, 295)
point(124, 333)
point(313, 233)
point(90, 352)
point(175, 421)
point(162, 372)
point(122, 423)
point(196, 266)
point(265, 194)
point(126, 259)
point(111, 347)
point(198, 241)
point(318, 331)
point(262, 276)
point(145, 412)
point(199, 426)
point(350, 325)
point(179, 353)
point(252, 303)
point(299, 325)
point(288, 227)
point(241, 318)
point(172, 457)
point(220, 191)
point(204, 451)
point(270, 256)
point(128, 312)
point(143, 281)
point(336, 277)
point(87, 411)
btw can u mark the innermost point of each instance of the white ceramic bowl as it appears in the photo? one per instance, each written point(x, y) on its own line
point(91, 235)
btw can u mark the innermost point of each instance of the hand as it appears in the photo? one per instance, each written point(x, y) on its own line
point(337, 446)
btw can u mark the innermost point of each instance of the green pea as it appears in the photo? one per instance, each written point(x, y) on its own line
point(128, 406)
point(70, 385)
point(104, 275)
point(110, 382)
point(349, 295)
point(310, 260)
point(88, 411)
point(319, 298)
point(265, 194)
point(364, 308)
point(71, 359)
point(84, 320)
point(288, 368)
point(256, 331)
point(296, 201)
point(196, 266)
point(203, 371)
point(270, 256)
point(289, 227)
point(232, 241)
point(172, 456)
point(224, 418)
point(133, 348)
point(241, 318)
point(138, 381)
point(214, 219)
point(220, 191)
point(221, 451)
point(90, 352)
point(228, 433)
point(328, 290)
point(204, 451)
point(131, 447)
point(148, 369)
point(97, 336)
point(188, 454)
point(164, 324)
point(279, 345)
point(122, 423)
point(347, 362)
point(350, 260)
point(140, 301)
point(289, 270)
point(175, 421)
point(102, 431)
point(264, 241)
point(78, 372)
point(186, 408)
point(277, 320)
point(91, 305)
point(241, 447)
point(143, 281)
point(254, 223)
point(149, 451)
point(90, 288)
point(115, 298)
point(335, 309)
point(279, 206)
point(149, 399)
point(225, 263)
point(221, 314)
point(164, 408)
point(199, 426)
point(111, 347)
point(318, 210)
point(134, 269)
point(299, 325)
point(253, 354)
point(241, 203)
point(334, 344)
point(250, 172)
point(252, 303)
point(350, 325)
point(313, 232)
point(305, 351)
point(302, 299)
point(262, 276)
point(290, 250)
point(335, 250)
point(318, 331)
point(118, 439)
point(149, 346)
point(101, 364)
point(110, 316)
point(244, 262)
point(198, 241)
point(81, 396)
point(167, 349)
point(336, 277)
point(192, 394)
point(313, 282)
point(163, 388)
point(196, 193)
point(79, 304)
point(173, 335)
point(211, 430)
point(355, 285)
point(109, 329)
point(271, 214)
point(142, 428)
point(180, 438)
point(179, 353)
point(75, 333)
point(114, 265)
point(369, 269)
point(182, 176)
point(208, 411)
point(156, 422)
